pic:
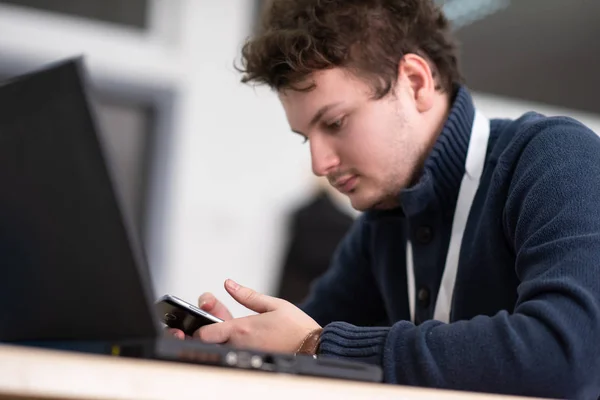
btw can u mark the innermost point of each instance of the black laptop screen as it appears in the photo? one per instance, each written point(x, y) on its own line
point(70, 268)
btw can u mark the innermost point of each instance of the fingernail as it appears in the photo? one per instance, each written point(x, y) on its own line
point(202, 302)
point(204, 299)
point(177, 333)
point(232, 285)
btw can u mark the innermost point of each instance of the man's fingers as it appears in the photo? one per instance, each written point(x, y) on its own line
point(175, 333)
point(209, 303)
point(215, 333)
point(249, 298)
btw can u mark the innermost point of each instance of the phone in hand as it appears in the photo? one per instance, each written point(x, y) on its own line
point(178, 314)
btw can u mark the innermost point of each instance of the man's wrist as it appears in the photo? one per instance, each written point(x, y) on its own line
point(310, 344)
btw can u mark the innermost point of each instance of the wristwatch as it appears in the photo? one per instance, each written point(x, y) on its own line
point(310, 344)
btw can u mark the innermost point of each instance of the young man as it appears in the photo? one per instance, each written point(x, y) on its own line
point(476, 264)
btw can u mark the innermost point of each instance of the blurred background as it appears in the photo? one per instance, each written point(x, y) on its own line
point(215, 183)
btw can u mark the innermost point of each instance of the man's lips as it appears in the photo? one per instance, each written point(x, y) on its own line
point(346, 184)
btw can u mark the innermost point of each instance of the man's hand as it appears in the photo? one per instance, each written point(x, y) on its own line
point(280, 326)
point(209, 303)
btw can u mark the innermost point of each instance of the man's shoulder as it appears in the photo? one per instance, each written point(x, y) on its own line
point(532, 123)
point(537, 132)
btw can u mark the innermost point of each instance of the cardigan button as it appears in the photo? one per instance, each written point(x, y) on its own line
point(424, 297)
point(424, 234)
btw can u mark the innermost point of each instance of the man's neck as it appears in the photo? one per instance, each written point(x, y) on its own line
point(438, 115)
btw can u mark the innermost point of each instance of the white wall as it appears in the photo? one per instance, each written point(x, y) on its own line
point(233, 170)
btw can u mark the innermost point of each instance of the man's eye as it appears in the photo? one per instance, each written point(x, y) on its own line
point(336, 125)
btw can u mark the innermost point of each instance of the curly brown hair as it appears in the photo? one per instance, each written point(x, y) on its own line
point(367, 37)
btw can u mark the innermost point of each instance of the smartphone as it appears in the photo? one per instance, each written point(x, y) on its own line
point(176, 313)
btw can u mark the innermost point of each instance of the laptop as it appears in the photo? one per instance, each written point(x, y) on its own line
point(74, 274)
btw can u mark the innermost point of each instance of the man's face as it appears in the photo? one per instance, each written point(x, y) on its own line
point(368, 149)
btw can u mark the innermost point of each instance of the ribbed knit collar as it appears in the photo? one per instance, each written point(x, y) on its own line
point(445, 166)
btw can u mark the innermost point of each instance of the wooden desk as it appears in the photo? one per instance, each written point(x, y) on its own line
point(28, 373)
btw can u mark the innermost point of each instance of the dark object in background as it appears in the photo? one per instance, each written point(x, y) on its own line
point(315, 231)
point(129, 14)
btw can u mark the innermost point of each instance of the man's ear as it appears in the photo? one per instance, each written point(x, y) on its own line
point(416, 73)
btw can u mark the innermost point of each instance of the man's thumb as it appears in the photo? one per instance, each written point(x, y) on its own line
point(249, 298)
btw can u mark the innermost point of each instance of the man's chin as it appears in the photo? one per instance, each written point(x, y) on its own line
point(360, 203)
point(365, 203)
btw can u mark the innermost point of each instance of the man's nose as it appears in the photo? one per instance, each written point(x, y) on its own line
point(323, 157)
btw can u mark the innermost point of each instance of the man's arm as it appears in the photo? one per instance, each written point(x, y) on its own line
point(348, 291)
point(550, 344)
